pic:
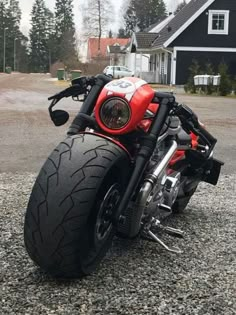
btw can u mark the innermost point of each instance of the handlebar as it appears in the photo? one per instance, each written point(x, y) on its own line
point(79, 87)
point(190, 123)
point(73, 91)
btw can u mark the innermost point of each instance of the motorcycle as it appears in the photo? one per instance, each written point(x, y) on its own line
point(132, 157)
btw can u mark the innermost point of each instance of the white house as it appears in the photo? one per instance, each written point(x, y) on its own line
point(138, 57)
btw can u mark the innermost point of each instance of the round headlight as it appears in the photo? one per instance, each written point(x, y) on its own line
point(115, 113)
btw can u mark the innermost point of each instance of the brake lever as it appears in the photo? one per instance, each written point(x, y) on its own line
point(73, 91)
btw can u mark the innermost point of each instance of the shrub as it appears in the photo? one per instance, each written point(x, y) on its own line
point(234, 85)
point(194, 69)
point(225, 87)
point(210, 71)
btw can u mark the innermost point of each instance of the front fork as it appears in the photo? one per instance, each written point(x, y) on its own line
point(130, 220)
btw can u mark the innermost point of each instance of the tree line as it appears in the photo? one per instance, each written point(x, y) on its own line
point(137, 15)
point(52, 35)
point(11, 37)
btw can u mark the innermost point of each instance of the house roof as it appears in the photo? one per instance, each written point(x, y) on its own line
point(151, 27)
point(93, 45)
point(116, 49)
point(156, 28)
point(144, 40)
point(181, 21)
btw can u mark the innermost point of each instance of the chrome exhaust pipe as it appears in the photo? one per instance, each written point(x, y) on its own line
point(163, 163)
point(150, 181)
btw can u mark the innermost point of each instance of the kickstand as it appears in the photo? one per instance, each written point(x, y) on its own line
point(175, 250)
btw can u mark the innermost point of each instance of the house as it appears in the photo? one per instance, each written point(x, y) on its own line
point(204, 30)
point(116, 54)
point(139, 55)
point(93, 51)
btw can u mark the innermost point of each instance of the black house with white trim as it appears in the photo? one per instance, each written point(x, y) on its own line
point(204, 30)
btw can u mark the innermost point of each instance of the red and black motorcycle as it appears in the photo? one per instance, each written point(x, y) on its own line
point(132, 157)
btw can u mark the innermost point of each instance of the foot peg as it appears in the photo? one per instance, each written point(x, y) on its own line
point(165, 208)
point(175, 250)
point(172, 232)
point(169, 230)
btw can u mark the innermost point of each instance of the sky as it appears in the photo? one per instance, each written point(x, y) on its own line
point(26, 7)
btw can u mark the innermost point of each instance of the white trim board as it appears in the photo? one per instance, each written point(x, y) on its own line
point(211, 49)
point(188, 22)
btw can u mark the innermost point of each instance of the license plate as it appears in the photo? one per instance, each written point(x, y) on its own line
point(213, 171)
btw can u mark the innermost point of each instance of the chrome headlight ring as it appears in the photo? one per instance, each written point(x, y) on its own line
point(115, 113)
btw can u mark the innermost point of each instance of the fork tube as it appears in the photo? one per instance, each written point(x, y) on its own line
point(147, 147)
point(79, 123)
point(162, 115)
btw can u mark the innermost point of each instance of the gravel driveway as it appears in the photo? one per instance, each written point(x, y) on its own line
point(136, 277)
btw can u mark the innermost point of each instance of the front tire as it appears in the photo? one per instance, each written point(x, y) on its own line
point(68, 227)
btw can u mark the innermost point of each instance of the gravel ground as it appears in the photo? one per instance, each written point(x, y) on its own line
point(136, 277)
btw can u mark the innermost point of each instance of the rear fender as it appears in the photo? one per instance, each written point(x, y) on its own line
point(109, 139)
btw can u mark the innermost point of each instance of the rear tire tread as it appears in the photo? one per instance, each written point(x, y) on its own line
point(64, 241)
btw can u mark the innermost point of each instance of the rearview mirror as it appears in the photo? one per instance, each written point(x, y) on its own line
point(59, 117)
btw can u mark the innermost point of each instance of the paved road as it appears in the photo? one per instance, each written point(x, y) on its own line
point(28, 135)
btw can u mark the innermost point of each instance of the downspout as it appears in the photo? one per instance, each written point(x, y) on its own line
point(141, 65)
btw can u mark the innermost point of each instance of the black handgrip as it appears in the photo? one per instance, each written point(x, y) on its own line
point(73, 90)
point(160, 96)
point(206, 134)
point(186, 115)
point(190, 123)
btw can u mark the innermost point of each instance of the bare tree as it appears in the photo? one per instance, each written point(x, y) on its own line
point(97, 16)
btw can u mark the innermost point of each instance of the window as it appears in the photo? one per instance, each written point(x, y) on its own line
point(218, 23)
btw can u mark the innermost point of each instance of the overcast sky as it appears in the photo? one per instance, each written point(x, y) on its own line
point(26, 7)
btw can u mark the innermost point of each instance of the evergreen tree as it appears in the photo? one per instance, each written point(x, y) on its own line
point(131, 19)
point(65, 33)
point(225, 87)
point(2, 26)
point(13, 17)
point(22, 54)
point(50, 36)
point(39, 54)
point(141, 14)
point(10, 17)
point(122, 33)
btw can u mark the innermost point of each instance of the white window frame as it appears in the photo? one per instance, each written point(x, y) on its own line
point(210, 17)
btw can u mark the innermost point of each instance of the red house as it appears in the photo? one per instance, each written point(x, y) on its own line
point(93, 43)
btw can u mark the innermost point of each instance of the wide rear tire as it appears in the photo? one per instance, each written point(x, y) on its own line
point(68, 226)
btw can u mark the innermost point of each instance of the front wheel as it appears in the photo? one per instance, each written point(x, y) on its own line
point(68, 227)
